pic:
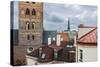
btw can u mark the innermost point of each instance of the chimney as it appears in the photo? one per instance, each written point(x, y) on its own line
point(40, 51)
point(75, 41)
point(49, 40)
point(58, 40)
point(81, 25)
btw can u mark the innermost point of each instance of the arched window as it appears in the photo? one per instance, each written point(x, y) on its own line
point(33, 26)
point(32, 37)
point(27, 11)
point(33, 12)
point(28, 37)
point(27, 26)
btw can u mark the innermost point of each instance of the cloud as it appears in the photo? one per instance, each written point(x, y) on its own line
point(54, 18)
point(57, 14)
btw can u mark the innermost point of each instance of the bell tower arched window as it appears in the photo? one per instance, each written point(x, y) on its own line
point(32, 37)
point(27, 26)
point(27, 11)
point(33, 12)
point(33, 25)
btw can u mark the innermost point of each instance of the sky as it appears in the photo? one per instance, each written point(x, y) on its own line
point(16, 15)
point(56, 16)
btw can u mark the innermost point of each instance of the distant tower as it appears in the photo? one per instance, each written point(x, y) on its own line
point(68, 27)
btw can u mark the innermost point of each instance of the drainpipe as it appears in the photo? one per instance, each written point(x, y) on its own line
point(76, 49)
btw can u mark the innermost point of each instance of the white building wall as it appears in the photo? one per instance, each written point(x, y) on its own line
point(89, 53)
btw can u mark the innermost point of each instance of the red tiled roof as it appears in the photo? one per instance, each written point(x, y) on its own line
point(62, 45)
point(90, 37)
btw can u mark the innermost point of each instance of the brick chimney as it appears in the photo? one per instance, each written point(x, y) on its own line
point(58, 42)
point(81, 25)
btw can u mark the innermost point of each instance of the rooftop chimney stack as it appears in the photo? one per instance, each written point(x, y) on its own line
point(58, 40)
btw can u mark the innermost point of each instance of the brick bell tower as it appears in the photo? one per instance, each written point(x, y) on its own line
point(30, 24)
point(30, 29)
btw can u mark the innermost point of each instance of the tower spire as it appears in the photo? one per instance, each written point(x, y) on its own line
point(68, 27)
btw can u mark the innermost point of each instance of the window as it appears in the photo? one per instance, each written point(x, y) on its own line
point(30, 48)
point(33, 12)
point(54, 39)
point(28, 37)
point(33, 2)
point(27, 25)
point(81, 55)
point(27, 11)
point(27, 2)
point(33, 25)
point(43, 55)
point(32, 37)
point(55, 54)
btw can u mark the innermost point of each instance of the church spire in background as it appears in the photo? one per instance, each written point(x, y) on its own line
point(68, 27)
